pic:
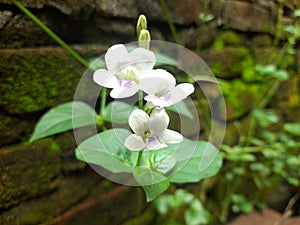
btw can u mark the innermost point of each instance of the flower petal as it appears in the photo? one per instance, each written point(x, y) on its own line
point(143, 60)
point(159, 121)
point(124, 89)
point(139, 122)
point(153, 143)
point(172, 137)
point(180, 92)
point(157, 126)
point(134, 143)
point(105, 78)
point(116, 57)
point(157, 82)
point(160, 113)
point(153, 101)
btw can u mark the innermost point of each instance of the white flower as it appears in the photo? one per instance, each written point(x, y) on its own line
point(161, 88)
point(124, 70)
point(150, 132)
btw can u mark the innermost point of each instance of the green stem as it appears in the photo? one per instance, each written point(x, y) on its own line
point(103, 100)
point(169, 20)
point(51, 33)
point(266, 100)
point(139, 158)
point(103, 104)
point(140, 99)
point(258, 149)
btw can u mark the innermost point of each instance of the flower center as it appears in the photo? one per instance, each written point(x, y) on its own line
point(149, 138)
point(130, 73)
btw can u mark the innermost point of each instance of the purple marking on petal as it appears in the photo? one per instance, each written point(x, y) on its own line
point(125, 83)
point(153, 138)
point(167, 96)
point(128, 84)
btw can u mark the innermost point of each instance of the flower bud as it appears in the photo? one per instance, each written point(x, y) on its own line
point(144, 39)
point(141, 24)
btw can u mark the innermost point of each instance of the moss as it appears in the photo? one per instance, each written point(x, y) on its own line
point(216, 69)
point(37, 79)
point(30, 218)
point(218, 44)
point(231, 38)
point(241, 97)
point(27, 171)
point(249, 73)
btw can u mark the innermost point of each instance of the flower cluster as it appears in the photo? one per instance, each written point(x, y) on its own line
point(128, 73)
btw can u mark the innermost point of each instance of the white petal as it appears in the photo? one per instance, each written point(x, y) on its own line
point(187, 88)
point(172, 137)
point(152, 100)
point(139, 122)
point(124, 89)
point(157, 126)
point(157, 82)
point(160, 113)
point(142, 59)
point(179, 93)
point(116, 57)
point(105, 78)
point(134, 143)
point(153, 143)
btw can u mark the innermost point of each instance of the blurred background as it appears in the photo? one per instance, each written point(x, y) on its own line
point(251, 47)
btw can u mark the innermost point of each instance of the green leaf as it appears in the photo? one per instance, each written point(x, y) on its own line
point(273, 71)
point(118, 112)
point(241, 204)
point(265, 70)
point(293, 128)
point(154, 190)
point(281, 75)
point(182, 109)
point(265, 117)
point(196, 214)
point(64, 117)
point(247, 157)
point(205, 17)
point(195, 161)
point(183, 196)
point(107, 150)
point(152, 182)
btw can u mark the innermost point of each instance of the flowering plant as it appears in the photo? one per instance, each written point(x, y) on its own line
point(150, 155)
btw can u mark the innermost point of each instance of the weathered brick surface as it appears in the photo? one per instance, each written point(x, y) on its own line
point(27, 171)
point(43, 209)
point(245, 16)
point(35, 79)
point(41, 186)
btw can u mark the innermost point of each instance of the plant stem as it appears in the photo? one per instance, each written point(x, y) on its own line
point(266, 100)
point(169, 20)
point(139, 158)
point(140, 99)
point(103, 100)
point(103, 104)
point(51, 33)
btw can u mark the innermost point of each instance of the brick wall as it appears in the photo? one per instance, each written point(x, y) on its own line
point(42, 182)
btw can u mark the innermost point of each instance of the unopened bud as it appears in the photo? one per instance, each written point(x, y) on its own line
point(141, 24)
point(144, 39)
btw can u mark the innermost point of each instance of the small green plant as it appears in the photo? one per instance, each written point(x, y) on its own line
point(152, 154)
point(194, 213)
